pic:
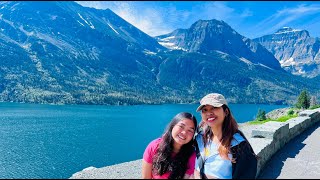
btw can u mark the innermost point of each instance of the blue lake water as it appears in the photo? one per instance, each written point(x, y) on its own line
point(53, 141)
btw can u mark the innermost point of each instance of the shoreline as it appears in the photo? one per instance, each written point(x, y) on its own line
point(266, 139)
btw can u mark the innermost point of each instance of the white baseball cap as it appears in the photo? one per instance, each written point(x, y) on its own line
point(213, 99)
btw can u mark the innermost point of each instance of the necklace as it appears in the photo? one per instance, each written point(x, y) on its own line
point(211, 149)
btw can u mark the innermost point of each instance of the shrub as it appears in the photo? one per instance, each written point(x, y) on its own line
point(315, 106)
point(261, 115)
point(290, 112)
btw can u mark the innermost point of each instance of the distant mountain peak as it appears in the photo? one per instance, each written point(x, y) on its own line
point(209, 21)
point(212, 22)
point(295, 49)
point(287, 30)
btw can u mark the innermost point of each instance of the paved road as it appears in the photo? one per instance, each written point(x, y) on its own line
point(298, 159)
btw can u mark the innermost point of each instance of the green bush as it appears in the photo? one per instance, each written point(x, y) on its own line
point(261, 115)
point(290, 112)
point(315, 106)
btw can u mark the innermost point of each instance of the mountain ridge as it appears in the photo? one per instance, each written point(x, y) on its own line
point(207, 35)
point(297, 52)
point(67, 54)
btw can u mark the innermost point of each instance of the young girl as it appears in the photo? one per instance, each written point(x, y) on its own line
point(172, 156)
point(224, 151)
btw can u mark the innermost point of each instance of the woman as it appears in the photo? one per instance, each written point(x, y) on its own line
point(172, 156)
point(222, 149)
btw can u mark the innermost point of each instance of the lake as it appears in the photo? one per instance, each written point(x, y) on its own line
point(55, 141)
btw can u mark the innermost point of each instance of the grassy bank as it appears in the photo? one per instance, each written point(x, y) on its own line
point(291, 113)
point(280, 119)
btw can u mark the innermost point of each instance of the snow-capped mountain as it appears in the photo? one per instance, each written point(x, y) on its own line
point(297, 52)
point(61, 49)
point(61, 52)
point(212, 35)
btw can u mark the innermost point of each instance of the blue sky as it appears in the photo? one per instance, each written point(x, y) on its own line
point(249, 18)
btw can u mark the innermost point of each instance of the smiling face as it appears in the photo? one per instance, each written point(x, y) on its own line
point(213, 116)
point(183, 132)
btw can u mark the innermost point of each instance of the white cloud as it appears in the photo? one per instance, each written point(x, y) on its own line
point(150, 20)
point(285, 17)
point(97, 4)
point(246, 13)
point(156, 20)
point(214, 10)
point(219, 11)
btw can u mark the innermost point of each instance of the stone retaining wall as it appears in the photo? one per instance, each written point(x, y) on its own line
point(266, 139)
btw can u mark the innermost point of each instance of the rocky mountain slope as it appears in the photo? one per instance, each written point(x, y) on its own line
point(63, 53)
point(297, 52)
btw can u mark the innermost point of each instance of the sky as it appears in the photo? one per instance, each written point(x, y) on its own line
point(251, 19)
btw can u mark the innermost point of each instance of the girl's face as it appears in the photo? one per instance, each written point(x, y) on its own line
point(183, 131)
point(213, 116)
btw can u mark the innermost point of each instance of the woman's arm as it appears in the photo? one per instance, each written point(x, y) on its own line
point(246, 162)
point(196, 174)
point(146, 170)
point(188, 176)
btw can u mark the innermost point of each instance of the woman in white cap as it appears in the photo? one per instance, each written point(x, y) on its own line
point(172, 156)
point(223, 151)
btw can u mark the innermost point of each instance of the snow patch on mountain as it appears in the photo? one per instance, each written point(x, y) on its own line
point(89, 24)
point(171, 45)
point(9, 40)
point(300, 71)
point(146, 51)
point(7, 21)
point(287, 62)
point(287, 30)
point(168, 38)
point(64, 46)
point(265, 66)
point(246, 61)
point(112, 28)
point(167, 42)
point(80, 23)
point(26, 32)
point(53, 17)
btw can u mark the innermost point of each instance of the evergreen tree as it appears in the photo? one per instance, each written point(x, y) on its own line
point(303, 100)
point(290, 112)
point(261, 115)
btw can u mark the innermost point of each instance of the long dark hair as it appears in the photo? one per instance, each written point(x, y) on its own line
point(229, 128)
point(163, 161)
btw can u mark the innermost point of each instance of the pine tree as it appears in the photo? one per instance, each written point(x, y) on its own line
point(303, 100)
point(261, 115)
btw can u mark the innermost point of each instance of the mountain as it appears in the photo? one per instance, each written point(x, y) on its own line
point(63, 53)
point(196, 74)
point(221, 60)
point(205, 36)
point(297, 52)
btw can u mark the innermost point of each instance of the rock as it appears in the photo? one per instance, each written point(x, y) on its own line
point(275, 114)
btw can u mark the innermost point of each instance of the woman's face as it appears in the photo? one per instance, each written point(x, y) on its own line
point(213, 116)
point(183, 131)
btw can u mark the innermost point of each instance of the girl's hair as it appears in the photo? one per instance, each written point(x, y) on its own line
point(163, 161)
point(229, 128)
